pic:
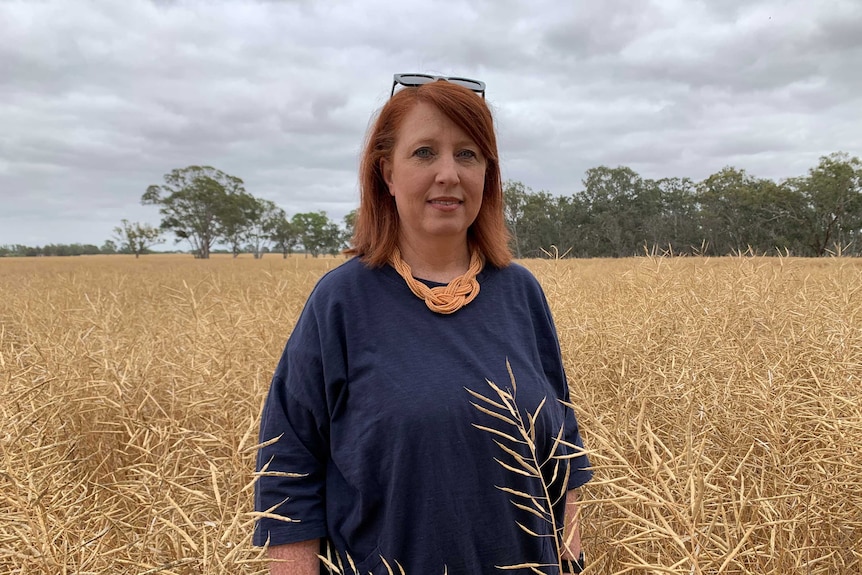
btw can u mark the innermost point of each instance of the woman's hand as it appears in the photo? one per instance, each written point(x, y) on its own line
point(295, 558)
point(572, 530)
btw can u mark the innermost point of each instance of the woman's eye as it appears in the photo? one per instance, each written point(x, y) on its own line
point(467, 154)
point(423, 153)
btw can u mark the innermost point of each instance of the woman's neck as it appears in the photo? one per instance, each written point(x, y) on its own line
point(442, 262)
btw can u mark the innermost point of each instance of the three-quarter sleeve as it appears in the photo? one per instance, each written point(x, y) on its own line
point(552, 362)
point(292, 463)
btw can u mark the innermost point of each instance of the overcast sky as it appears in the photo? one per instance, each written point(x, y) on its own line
point(100, 99)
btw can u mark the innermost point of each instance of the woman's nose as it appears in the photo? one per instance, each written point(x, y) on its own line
point(447, 170)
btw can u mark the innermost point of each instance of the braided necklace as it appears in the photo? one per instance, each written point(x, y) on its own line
point(442, 299)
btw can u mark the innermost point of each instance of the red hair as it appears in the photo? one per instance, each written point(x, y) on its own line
point(376, 231)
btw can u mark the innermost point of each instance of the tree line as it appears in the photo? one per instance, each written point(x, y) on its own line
point(206, 207)
point(617, 214)
point(21, 250)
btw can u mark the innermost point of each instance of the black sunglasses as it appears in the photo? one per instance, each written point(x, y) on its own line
point(413, 80)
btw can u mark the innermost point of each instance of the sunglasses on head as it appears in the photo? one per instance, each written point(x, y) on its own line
point(413, 80)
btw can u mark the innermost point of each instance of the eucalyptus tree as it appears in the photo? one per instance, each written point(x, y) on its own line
point(317, 233)
point(679, 215)
point(832, 194)
point(194, 203)
point(726, 220)
point(236, 219)
point(514, 199)
point(285, 237)
point(135, 238)
point(265, 219)
point(535, 220)
point(349, 223)
point(740, 213)
point(620, 202)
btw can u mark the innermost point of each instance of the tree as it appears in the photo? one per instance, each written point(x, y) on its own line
point(832, 193)
point(236, 219)
point(193, 204)
point(535, 219)
point(541, 225)
point(778, 218)
point(284, 235)
point(623, 208)
point(109, 247)
point(265, 219)
point(725, 210)
point(334, 238)
point(514, 199)
point(574, 221)
point(350, 226)
point(739, 212)
point(681, 232)
point(136, 238)
point(317, 233)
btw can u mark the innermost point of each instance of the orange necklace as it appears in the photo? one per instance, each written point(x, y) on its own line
point(442, 299)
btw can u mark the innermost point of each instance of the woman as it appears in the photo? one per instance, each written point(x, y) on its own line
point(374, 401)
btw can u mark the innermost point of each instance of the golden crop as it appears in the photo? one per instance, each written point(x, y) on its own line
point(721, 400)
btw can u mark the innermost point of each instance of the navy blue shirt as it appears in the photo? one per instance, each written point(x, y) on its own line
point(369, 404)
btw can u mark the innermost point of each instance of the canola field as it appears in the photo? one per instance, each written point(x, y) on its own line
point(720, 399)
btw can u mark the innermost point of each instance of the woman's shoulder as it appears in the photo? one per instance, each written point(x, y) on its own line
point(340, 276)
point(518, 270)
point(513, 274)
point(342, 272)
point(350, 279)
point(513, 285)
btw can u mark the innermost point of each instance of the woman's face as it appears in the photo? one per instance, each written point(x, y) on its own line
point(436, 175)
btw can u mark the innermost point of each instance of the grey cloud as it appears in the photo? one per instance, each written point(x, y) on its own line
point(99, 99)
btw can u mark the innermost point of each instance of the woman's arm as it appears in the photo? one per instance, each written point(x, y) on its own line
point(295, 558)
point(572, 530)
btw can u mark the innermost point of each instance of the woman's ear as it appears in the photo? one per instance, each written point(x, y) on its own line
point(386, 170)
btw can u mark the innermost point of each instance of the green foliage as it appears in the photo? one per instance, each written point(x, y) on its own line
point(236, 217)
point(205, 206)
point(109, 247)
point(536, 219)
point(680, 228)
point(20, 250)
point(265, 219)
point(621, 205)
point(199, 204)
point(317, 233)
point(832, 193)
point(617, 214)
point(349, 225)
point(284, 235)
point(729, 210)
point(135, 238)
point(620, 214)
